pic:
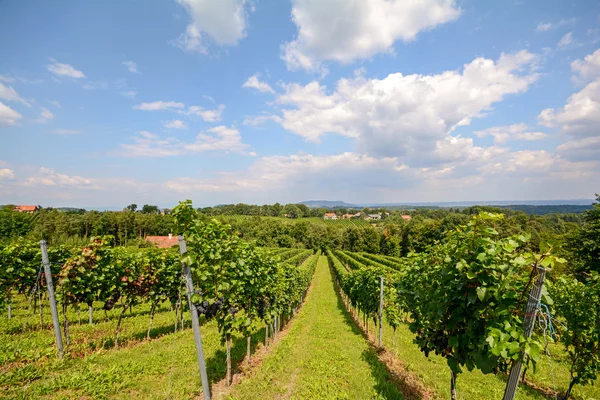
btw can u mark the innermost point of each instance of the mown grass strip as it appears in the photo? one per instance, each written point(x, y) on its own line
point(323, 356)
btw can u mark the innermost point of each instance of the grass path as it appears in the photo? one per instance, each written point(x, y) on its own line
point(323, 356)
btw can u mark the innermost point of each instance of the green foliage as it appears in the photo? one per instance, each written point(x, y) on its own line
point(583, 245)
point(246, 283)
point(576, 304)
point(465, 297)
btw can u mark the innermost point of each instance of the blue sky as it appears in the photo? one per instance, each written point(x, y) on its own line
point(107, 103)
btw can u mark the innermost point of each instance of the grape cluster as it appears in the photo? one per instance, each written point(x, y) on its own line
point(112, 300)
point(209, 310)
point(262, 308)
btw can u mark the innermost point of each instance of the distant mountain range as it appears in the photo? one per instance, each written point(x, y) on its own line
point(444, 204)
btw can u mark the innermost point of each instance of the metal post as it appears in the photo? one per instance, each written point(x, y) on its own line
point(53, 309)
point(189, 286)
point(533, 304)
point(380, 311)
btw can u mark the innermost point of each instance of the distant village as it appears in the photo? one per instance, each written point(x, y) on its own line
point(361, 215)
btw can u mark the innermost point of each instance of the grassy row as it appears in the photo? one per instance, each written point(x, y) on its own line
point(390, 262)
point(323, 356)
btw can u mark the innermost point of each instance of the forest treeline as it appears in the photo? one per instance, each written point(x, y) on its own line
point(392, 235)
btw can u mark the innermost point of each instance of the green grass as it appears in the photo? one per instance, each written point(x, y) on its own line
point(435, 373)
point(323, 356)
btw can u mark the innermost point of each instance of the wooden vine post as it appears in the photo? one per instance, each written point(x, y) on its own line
point(533, 305)
point(380, 311)
point(189, 286)
point(53, 309)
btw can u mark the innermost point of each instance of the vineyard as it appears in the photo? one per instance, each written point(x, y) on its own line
point(455, 317)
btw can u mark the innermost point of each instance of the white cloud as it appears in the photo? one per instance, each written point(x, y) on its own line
point(219, 138)
point(299, 171)
point(223, 22)
point(207, 115)
point(55, 103)
point(158, 105)
point(254, 82)
point(543, 27)
point(64, 70)
point(581, 114)
point(8, 116)
point(67, 131)
point(399, 115)
point(585, 149)
point(129, 93)
point(566, 40)
point(346, 30)
point(175, 124)
point(6, 173)
point(258, 120)
point(11, 79)
point(587, 69)
point(503, 134)
point(579, 119)
point(45, 116)
point(546, 26)
point(9, 94)
point(131, 67)
point(49, 177)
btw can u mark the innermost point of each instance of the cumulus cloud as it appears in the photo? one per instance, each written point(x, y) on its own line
point(579, 119)
point(6, 173)
point(503, 134)
point(585, 149)
point(223, 22)
point(404, 114)
point(9, 94)
point(131, 67)
point(175, 124)
point(219, 138)
point(255, 83)
point(346, 30)
point(8, 116)
point(49, 177)
point(158, 105)
point(298, 171)
point(60, 69)
point(587, 69)
point(581, 114)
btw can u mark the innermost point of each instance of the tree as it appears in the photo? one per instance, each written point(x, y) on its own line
point(148, 209)
point(292, 211)
point(584, 244)
point(304, 210)
point(131, 207)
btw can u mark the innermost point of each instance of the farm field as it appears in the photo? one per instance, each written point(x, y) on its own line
point(311, 361)
point(328, 303)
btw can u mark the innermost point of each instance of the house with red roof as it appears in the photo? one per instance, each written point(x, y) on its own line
point(163, 242)
point(26, 209)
